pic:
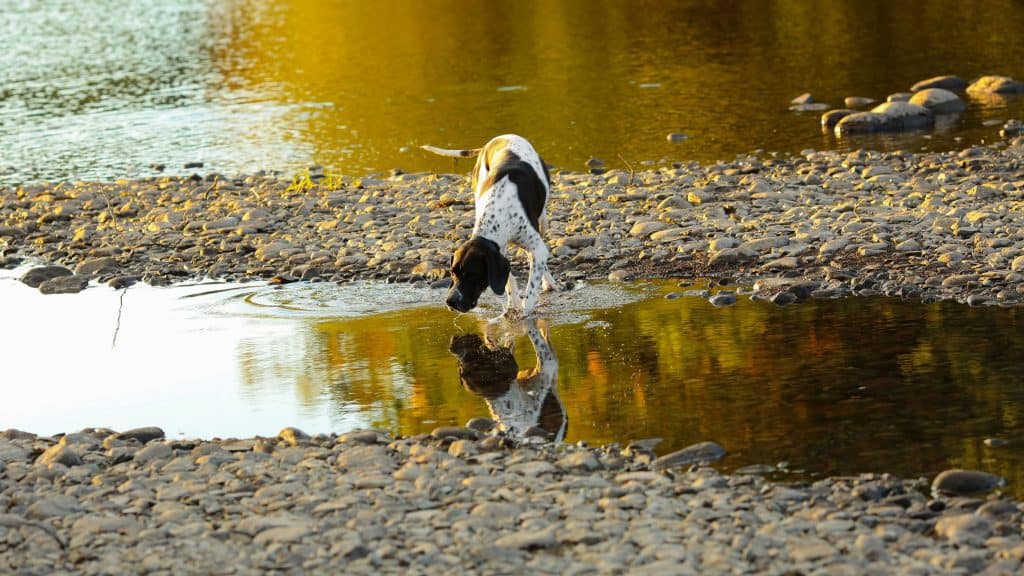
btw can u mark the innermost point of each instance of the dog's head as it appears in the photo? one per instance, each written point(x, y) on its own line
point(476, 265)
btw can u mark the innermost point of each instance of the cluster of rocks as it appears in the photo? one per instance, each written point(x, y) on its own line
point(931, 225)
point(456, 500)
point(927, 101)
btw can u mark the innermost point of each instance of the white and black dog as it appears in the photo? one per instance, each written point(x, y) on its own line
point(510, 188)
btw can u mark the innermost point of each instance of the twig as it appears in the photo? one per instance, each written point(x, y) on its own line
point(117, 323)
point(628, 165)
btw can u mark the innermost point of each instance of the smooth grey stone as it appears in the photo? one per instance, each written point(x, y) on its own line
point(995, 85)
point(458, 432)
point(142, 435)
point(783, 298)
point(64, 285)
point(723, 298)
point(37, 276)
point(482, 425)
point(832, 117)
point(957, 482)
point(939, 101)
point(95, 266)
point(700, 453)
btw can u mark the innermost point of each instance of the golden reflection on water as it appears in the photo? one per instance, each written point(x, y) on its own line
point(829, 387)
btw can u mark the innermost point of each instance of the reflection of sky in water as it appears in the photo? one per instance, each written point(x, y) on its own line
point(355, 86)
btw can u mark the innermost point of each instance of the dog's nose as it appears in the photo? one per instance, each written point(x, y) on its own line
point(454, 301)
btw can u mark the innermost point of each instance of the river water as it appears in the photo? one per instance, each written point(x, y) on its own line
point(104, 89)
point(817, 388)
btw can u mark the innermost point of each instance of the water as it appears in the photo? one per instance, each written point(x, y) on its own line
point(244, 85)
point(823, 387)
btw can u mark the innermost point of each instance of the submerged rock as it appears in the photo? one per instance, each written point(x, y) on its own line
point(700, 453)
point(995, 85)
point(906, 115)
point(862, 123)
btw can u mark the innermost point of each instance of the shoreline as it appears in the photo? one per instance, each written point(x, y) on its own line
point(935, 226)
point(97, 501)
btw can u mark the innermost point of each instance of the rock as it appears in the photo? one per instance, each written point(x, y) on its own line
point(119, 282)
point(456, 432)
point(946, 82)
point(154, 451)
point(676, 137)
point(812, 107)
point(1012, 128)
point(142, 435)
point(987, 85)
point(939, 101)
point(581, 460)
point(227, 222)
point(701, 453)
point(958, 482)
point(783, 298)
point(646, 228)
point(832, 117)
point(905, 115)
point(37, 276)
point(60, 453)
point(963, 528)
point(863, 123)
point(64, 285)
point(910, 245)
point(528, 539)
point(996, 442)
point(857, 101)
point(899, 97)
point(481, 425)
point(54, 506)
point(360, 437)
point(293, 436)
point(723, 298)
point(619, 276)
point(805, 98)
point(96, 266)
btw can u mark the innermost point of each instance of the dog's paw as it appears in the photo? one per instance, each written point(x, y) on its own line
point(549, 284)
point(513, 314)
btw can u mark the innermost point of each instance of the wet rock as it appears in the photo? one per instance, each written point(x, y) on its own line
point(64, 285)
point(832, 117)
point(939, 101)
point(1012, 128)
point(996, 442)
point(783, 298)
point(723, 298)
point(361, 437)
point(676, 137)
point(805, 98)
point(37, 276)
point(905, 115)
point(857, 101)
point(481, 425)
point(995, 85)
point(899, 97)
point(958, 482)
point(947, 82)
point(619, 276)
point(863, 123)
point(701, 453)
point(120, 282)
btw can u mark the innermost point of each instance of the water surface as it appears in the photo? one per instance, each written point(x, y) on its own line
point(822, 387)
point(355, 86)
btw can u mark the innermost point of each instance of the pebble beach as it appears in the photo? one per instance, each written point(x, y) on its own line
point(823, 224)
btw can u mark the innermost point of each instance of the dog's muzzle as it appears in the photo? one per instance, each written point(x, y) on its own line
point(456, 302)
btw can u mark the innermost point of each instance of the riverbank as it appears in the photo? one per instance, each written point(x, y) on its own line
point(99, 502)
point(931, 225)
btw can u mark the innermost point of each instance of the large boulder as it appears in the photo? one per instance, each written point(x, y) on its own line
point(938, 100)
point(863, 123)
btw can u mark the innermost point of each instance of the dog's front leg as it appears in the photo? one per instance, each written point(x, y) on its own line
point(513, 309)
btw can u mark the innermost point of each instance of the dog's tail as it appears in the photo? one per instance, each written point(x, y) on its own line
point(452, 153)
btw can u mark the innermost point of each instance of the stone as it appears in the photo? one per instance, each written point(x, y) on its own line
point(37, 276)
point(581, 460)
point(676, 137)
point(60, 454)
point(963, 528)
point(528, 539)
point(832, 117)
point(987, 85)
point(53, 506)
point(619, 276)
point(152, 452)
point(899, 97)
point(947, 82)
point(481, 425)
point(700, 453)
point(959, 482)
point(142, 435)
point(645, 228)
point(456, 432)
point(857, 101)
point(863, 123)
point(64, 285)
point(293, 436)
point(939, 101)
point(782, 298)
point(723, 298)
point(905, 115)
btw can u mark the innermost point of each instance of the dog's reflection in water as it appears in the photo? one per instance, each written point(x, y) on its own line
point(522, 402)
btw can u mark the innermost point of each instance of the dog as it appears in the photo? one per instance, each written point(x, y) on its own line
point(523, 403)
point(511, 186)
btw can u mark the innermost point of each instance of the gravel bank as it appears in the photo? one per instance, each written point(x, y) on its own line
point(96, 502)
point(933, 226)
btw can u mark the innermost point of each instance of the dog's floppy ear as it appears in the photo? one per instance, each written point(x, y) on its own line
point(498, 269)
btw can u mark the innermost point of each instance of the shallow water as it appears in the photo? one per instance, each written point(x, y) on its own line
point(244, 85)
point(822, 387)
